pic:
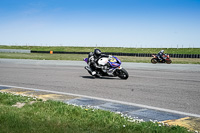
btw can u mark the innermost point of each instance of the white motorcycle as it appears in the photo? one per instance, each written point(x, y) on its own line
point(110, 67)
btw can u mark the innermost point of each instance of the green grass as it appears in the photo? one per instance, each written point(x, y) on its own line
point(79, 57)
point(39, 56)
point(57, 117)
point(106, 49)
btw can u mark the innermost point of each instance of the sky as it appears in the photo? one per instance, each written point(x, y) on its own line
point(101, 23)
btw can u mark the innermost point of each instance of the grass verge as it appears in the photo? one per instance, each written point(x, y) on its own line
point(106, 49)
point(79, 57)
point(53, 116)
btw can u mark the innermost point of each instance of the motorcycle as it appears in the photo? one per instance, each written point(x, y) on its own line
point(109, 67)
point(166, 59)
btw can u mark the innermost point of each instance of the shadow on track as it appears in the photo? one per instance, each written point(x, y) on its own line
point(91, 77)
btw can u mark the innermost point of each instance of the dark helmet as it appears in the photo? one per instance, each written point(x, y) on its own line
point(97, 52)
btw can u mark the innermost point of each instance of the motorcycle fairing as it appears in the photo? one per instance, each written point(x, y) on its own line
point(115, 62)
point(103, 61)
point(85, 59)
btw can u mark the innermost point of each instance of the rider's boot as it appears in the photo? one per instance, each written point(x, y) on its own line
point(93, 73)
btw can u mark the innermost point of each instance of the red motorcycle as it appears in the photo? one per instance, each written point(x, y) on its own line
point(166, 59)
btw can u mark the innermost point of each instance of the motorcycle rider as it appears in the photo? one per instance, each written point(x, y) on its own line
point(93, 57)
point(160, 55)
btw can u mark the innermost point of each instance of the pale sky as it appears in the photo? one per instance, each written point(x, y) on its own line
point(107, 23)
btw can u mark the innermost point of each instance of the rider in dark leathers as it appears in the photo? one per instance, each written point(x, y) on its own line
point(160, 55)
point(93, 57)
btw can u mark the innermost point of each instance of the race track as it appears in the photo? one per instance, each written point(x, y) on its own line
point(168, 86)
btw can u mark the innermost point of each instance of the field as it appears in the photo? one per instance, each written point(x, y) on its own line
point(79, 57)
point(107, 49)
point(20, 114)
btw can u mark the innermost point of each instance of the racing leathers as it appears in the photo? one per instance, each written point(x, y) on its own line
point(160, 55)
point(92, 62)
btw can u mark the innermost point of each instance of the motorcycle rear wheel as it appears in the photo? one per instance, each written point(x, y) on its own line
point(154, 61)
point(123, 74)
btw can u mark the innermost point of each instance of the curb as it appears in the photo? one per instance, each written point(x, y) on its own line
point(141, 113)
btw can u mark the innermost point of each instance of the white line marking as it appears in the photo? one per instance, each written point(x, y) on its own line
point(110, 100)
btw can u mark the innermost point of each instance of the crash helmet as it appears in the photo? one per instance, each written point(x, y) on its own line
point(162, 51)
point(97, 52)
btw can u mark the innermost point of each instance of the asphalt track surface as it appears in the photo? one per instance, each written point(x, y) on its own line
point(167, 86)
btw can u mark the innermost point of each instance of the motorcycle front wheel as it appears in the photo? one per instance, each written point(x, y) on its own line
point(123, 74)
point(154, 61)
point(169, 61)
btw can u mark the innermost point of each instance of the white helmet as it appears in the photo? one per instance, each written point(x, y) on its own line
point(162, 51)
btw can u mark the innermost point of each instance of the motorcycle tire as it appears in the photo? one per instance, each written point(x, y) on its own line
point(123, 74)
point(168, 61)
point(154, 61)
